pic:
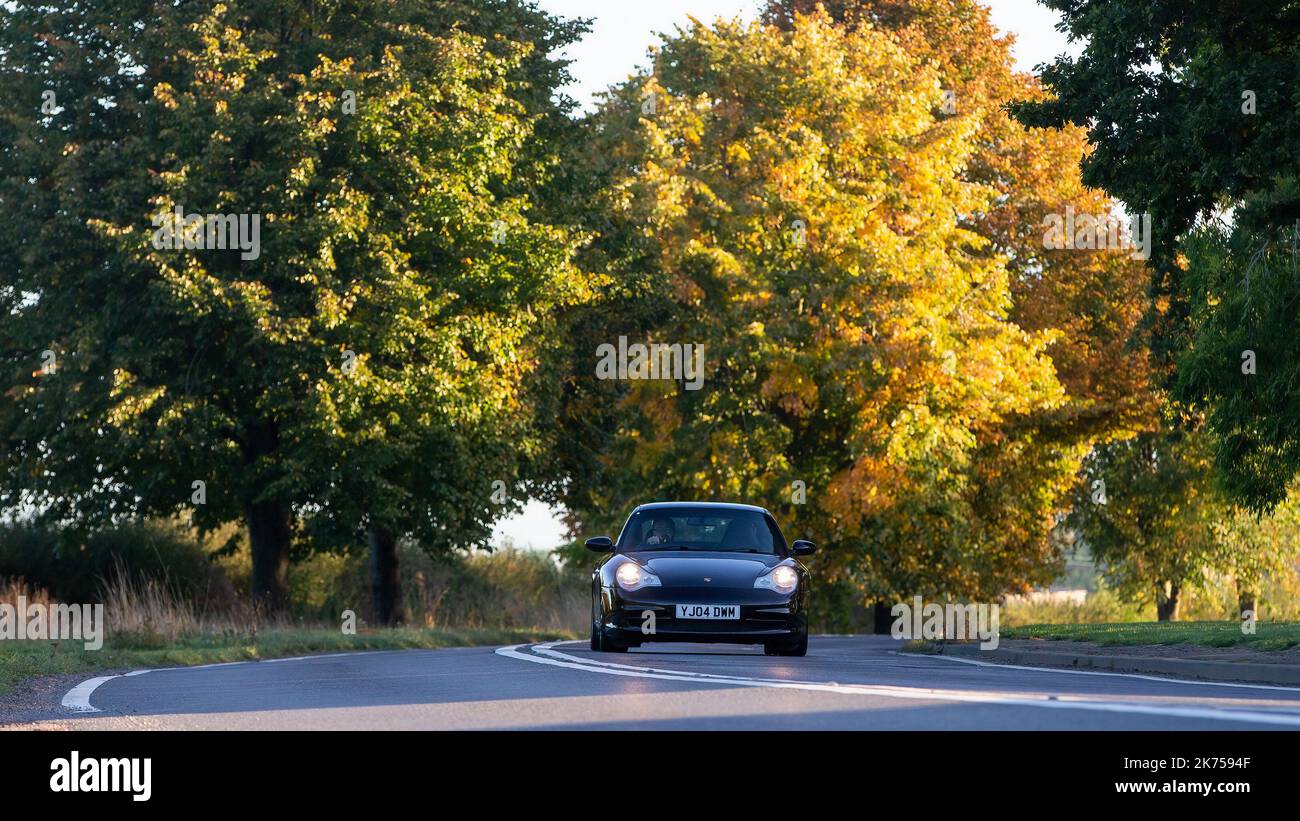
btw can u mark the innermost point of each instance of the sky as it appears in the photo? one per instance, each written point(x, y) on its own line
point(622, 30)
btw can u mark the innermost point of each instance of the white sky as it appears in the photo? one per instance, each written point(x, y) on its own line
point(622, 30)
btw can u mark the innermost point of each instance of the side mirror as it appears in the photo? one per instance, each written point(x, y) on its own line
point(600, 544)
point(803, 547)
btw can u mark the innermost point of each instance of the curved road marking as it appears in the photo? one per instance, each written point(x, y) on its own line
point(544, 649)
point(557, 659)
point(78, 698)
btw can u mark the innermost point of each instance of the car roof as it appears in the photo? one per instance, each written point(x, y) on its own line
point(722, 505)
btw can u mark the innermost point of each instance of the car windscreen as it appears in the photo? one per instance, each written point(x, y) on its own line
point(702, 528)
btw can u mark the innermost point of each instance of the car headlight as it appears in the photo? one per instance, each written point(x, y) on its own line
point(783, 579)
point(632, 576)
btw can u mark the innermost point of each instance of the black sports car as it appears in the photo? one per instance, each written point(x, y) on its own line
point(706, 572)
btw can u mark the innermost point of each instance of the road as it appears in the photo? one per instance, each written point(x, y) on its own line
point(845, 682)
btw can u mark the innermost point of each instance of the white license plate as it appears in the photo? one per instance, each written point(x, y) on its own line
point(708, 611)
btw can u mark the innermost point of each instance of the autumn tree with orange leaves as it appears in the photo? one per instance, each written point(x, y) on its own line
point(839, 209)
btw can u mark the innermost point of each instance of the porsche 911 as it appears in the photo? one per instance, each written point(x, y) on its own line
point(700, 572)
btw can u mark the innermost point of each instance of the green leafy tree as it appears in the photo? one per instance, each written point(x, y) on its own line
point(1239, 357)
point(1260, 547)
point(1193, 107)
point(1148, 512)
point(1188, 103)
point(366, 373)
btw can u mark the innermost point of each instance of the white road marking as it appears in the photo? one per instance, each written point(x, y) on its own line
point(1143, 676)
point(325, 656)
point(78, 698)
point(545, 649)
point(558, 659)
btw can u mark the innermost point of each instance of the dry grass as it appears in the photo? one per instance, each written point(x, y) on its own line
point(502, 589)
point(149, 625)
point(149, 613)
point(508, 588)
point(12, 589)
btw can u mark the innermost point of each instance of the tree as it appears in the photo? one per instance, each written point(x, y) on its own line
point(1147, 510)
point(791, 201)
point(363, 373)
point(1089, 302)
point(1239, 358)
point(1193, 107)
point(964, 502)
point(1259, 546)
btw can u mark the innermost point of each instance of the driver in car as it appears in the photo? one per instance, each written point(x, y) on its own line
point(661, 532)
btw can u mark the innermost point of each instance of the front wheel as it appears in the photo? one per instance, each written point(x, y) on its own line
point(798, 648)
point(599, 643)
point(597, 635)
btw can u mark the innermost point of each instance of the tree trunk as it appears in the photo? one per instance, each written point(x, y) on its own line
point(1246, 599)
point(269, 531)
point(881, 618)
point(1167, 602)
point(385, 585)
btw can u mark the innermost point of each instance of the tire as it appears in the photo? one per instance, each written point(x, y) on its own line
point(601, 643)
point(798, 648)
point(597, 635)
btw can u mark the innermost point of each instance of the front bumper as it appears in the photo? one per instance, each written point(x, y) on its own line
point(765, 615)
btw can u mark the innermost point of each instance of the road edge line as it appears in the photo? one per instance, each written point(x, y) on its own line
point(1050, 669)
point(919, 694)
point(78, 698)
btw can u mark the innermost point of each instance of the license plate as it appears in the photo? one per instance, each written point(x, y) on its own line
point(708, 611)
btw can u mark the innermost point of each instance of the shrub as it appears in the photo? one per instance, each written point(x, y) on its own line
point(76, 570)
point(505, 588)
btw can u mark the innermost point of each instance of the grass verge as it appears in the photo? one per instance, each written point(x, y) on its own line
point(1268, 635)
point(26, 659)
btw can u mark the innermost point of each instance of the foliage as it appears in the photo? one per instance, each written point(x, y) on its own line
point(1103, 606)
point(907, 350)
point(1147, 511)
point(367, 368)
point(1162, 88)
point(77, 570)
point(1193, 108)
point(504, 588)
point(1241, 364)
point(1263, 553)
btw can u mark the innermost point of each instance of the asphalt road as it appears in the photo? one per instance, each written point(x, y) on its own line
point(844, 683)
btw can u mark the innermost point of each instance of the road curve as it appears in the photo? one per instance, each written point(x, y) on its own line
point(844, 683)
